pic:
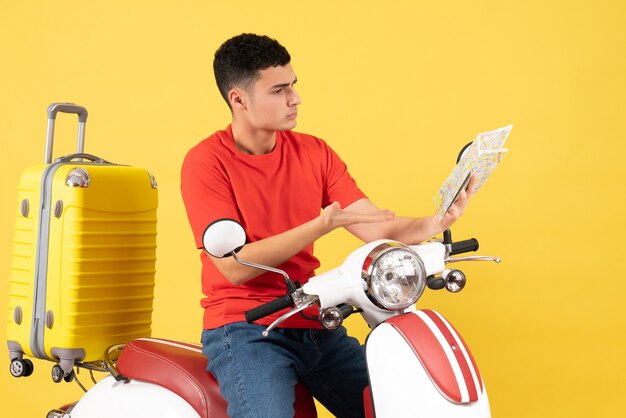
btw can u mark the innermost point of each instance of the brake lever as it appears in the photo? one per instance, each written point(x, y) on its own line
point(307, 302)
point(472, 258)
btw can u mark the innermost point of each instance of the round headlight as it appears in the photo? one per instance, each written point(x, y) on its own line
point(395, 276)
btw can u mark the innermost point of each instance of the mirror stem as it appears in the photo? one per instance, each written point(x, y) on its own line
point(290, 286)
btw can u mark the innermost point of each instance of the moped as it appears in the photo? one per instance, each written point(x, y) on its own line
point(418, 364)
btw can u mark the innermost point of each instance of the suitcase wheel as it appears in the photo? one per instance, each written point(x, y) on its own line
point(21, 367)
point(68, 378)
point(57, 373)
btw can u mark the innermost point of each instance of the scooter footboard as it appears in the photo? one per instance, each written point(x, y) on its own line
point(419, 365)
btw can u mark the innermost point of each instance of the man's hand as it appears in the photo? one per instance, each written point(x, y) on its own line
point(458, 207)
point(334, 216)
point(404, 229)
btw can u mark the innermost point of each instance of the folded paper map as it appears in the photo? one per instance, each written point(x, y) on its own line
point(480, 159)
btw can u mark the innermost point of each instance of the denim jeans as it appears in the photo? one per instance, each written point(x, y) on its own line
point(257, 374)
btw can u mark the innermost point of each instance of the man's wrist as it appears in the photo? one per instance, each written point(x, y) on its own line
point(436, 225)
point(319, 226)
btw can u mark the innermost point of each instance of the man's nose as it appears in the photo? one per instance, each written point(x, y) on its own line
point(294, 99)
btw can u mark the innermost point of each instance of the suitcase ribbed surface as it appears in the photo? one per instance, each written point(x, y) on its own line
point(101, 253)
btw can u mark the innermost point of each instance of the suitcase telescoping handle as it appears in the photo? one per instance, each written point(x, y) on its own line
point(55, 108)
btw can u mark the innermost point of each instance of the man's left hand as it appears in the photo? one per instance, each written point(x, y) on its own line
point(458, 207)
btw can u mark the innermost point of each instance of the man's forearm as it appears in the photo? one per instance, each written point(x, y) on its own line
point(404, 229)
point(413, 230)
point(272, 251)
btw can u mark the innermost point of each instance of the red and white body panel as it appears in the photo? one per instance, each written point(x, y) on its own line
point(110, 398)
point(419, 366)
point(165, 379)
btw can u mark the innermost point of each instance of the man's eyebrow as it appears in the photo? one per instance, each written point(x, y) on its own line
point(285, 84)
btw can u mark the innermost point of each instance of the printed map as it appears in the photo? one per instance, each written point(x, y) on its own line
point(480, 158)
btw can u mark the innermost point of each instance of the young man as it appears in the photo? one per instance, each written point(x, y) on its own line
point(275, 182)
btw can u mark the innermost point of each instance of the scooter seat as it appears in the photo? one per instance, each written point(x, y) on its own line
point(181, 368)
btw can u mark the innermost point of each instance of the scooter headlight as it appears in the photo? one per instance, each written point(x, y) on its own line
point(395, 276)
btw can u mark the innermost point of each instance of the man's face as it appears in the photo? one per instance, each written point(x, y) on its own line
point(272, 102)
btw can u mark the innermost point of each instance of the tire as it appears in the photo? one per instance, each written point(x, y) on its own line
point(69, 377)
point(18, 367)
point(30, 367)
point(57, 373)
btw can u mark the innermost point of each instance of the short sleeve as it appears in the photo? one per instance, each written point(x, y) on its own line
point(206, 191)
point(340, 186)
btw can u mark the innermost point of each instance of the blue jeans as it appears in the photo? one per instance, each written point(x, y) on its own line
point(257, 375)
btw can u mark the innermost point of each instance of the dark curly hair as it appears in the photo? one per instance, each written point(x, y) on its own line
point(238, 61)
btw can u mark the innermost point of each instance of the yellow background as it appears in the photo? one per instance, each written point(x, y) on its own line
point(396, 88)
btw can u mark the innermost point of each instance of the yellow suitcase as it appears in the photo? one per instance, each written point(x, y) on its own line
point(82, 274)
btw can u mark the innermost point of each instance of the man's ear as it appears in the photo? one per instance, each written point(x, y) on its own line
point(237, 99)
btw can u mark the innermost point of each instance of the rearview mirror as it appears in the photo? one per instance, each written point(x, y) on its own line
point(465, 148)
point(223, 237)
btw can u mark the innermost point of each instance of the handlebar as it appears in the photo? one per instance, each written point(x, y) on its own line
point(464, 246)
point(268, 308)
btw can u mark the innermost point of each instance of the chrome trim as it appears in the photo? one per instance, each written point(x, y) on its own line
point(258, 266)
point(93, 379)
point(370, 262)
point(454, 280)
point(78, 177)
point(80, 385)
point(299, 297)
point(57, 413)
point(153, 181)
point(97, 366)
point(473, 258)
point(310, 301)
point(335, 320)
point(110, 356)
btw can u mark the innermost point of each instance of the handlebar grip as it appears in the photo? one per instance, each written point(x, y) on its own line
point(268, 308)
point(464, 246)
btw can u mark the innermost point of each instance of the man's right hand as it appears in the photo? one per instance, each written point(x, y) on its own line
point(334, 216)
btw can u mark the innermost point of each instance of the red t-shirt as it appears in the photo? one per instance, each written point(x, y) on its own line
point(268, 194)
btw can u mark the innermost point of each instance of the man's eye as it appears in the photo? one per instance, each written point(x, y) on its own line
point(278, 91)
